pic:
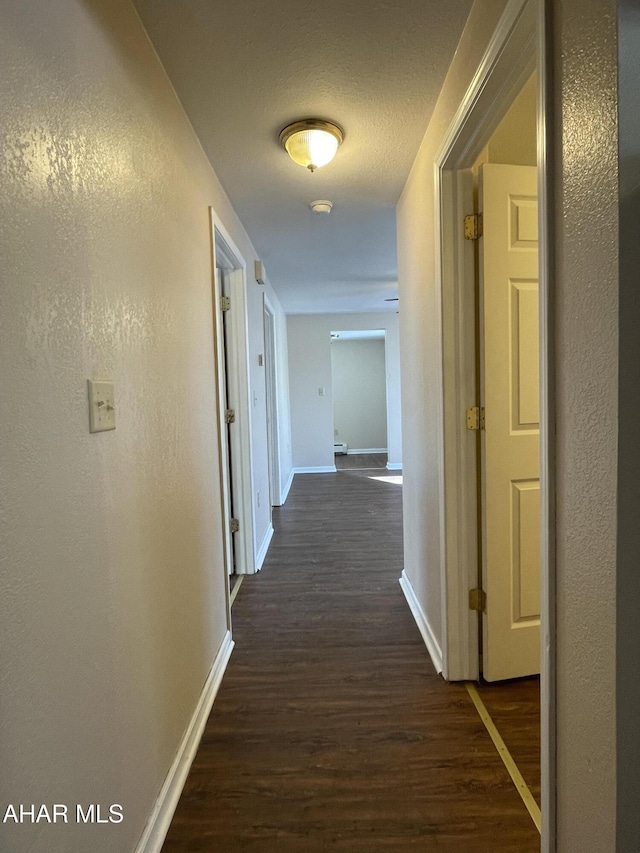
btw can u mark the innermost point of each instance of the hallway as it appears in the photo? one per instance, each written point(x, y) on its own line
point(331, 730)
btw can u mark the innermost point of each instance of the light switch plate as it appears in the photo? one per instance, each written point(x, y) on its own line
point(102, 407)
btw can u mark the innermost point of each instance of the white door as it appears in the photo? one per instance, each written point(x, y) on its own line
point(510, 395)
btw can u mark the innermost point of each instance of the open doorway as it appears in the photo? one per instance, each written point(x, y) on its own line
point(271, 389)
point(506, 423)
point(359, 398)
point(233, 402)
point(508, 369)
point(511, 341)
point(229, 495)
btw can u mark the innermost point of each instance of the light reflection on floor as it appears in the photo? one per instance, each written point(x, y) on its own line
point(394, 479)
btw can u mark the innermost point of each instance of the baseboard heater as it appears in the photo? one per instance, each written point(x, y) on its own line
point(339, 449)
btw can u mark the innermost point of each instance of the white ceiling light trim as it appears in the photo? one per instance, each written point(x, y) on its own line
point(312, 142)
point(322, 205)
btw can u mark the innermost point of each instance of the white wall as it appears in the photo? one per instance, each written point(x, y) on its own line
point(112, 588)
point(586, 337)
point(309, 345)
point(359, 375)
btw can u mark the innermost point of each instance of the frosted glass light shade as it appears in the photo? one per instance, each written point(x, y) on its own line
point(311, 143)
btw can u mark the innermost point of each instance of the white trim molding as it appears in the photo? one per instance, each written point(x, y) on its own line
point(160, 819)
point(318, 469)
point(285, 492)
point(394, 466)
point(366, 450)
point(264, 547)
point(433, 647)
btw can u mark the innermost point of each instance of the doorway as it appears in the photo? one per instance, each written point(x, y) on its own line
point(233, 401)
point(514, 55)
point(226, 403)
point(508, 367)
point(271, 389)
point(359, 398)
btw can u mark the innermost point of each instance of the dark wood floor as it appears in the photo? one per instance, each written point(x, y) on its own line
point(331, 730)
point(515, 709)
point(350, 461)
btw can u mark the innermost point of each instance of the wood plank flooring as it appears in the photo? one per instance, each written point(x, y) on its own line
point(350, 461)
point(515, 709)
point(331, 730)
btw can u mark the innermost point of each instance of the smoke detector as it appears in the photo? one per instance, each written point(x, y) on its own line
point(322, 205)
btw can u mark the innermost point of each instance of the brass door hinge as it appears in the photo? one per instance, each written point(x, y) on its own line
point(475, 417)
point(229, 416)
point(234, 525)
point(478, 600)
point(473, 226)
point(225, 303)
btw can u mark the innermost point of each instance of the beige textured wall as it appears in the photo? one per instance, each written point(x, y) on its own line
point(628, 580)
point(587, 385)
point(112, 597)
point(420, 327)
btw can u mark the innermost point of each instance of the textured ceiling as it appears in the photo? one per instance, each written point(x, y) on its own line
point(243, 69)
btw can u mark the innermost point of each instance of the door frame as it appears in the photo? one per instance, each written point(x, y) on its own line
point(223, 469)
point(389, 414)
point(228, 257)
point(520, 44)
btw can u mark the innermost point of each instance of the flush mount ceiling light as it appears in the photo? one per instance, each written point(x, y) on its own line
point(322, 205)
point(312, 142)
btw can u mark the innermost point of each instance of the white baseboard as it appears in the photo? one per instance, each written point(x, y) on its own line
point(264, 547)
point(366, 450)
point(433, 647)
point(318, 469)
point(285, 492)
point(158, 824)
point(394, 466)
